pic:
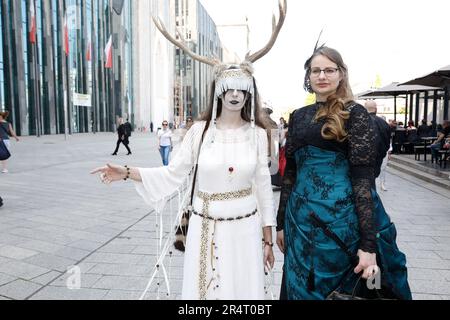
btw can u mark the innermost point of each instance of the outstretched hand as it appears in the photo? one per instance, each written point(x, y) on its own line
point(111, 173)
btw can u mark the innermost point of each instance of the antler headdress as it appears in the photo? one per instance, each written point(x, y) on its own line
point(231, 76)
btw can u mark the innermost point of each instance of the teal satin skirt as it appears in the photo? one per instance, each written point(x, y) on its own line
point(314, 264)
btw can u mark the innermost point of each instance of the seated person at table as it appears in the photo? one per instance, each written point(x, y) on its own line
point(423, 130)
point(438, 144)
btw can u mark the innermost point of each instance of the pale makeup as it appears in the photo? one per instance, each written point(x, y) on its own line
point(234, 100)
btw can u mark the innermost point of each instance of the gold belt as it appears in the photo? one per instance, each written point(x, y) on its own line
point(207, 198)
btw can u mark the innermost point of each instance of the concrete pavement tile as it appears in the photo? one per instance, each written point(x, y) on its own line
point(121, 283)
point(5, 260)
point(62, 293)
point(445, 274)
point(120, 225)
point(421, 296)
point(22, 269)
point(114, 258)
point(11, 239)
point(415, 238)
point(426, 274)
point(145, 250)
point(421, 254)
point(442, 240)
point(105, 231)
point(430, 233)
point(19, 289)
point(72, 253)
point(119, 248)
point(4, 278)
point(86, 245)
point(122, 295)
point(428, 263)
point(16, 252)
point(51, 261)
point(121, 269)
point(429, 246)
point(444, 254)
point(132, 241)
point(41, 246)
point(46, 278)
point(85, 267)
point(443, 227)
point(430, 287)
point(138, 234)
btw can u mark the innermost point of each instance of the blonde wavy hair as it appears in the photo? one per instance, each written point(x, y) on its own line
point(334, 110)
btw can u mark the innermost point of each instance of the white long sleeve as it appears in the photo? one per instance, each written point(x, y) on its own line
point(159, 183)
point(264, 193)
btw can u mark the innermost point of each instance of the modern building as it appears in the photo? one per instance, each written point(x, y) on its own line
point(193, 78)
point(74, 91)
point(153, 63)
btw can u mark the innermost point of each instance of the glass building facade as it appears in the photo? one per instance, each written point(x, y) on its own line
point(193, 78)
point(47, 91)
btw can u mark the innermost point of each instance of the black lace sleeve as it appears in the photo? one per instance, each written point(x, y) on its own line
point(362, 153)
point(290, 174)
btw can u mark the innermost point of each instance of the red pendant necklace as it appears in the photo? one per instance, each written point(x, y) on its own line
point(230, 173)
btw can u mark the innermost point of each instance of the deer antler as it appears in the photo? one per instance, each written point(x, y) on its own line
point(181, 45)
point(276, 30)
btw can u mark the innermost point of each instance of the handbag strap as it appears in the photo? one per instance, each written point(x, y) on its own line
point(329, 233)
point(353, 257)
point(196, 163)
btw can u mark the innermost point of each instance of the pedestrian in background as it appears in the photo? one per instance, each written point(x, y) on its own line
point(382, 142)
point(6, 130)
point(122, 137)
point(165, 142)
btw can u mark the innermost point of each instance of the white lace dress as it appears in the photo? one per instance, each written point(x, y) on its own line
point(232, 266)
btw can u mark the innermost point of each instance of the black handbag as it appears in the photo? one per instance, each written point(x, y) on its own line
point(359, 292)
point(182, 229)
point(4, 152)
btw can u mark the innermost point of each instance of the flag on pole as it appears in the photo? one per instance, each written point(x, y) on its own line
point(88, 53)
point(32, 22)
point(66, 35)
point(109, 54)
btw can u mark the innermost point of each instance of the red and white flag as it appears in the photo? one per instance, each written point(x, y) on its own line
point(88, 53)
point(109, 54)
point(32, 22)
point(66, 35)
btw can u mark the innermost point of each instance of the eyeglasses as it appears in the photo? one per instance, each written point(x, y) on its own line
point(165, 124)
point(329, 72)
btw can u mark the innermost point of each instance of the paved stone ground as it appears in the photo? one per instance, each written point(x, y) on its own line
point(57, 216)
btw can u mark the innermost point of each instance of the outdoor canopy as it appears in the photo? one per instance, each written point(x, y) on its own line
point(439, 78)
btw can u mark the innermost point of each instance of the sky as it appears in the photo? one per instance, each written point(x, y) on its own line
point(393, 39)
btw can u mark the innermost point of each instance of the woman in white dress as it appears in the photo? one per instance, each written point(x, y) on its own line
point(229, 243)
point(223, 259)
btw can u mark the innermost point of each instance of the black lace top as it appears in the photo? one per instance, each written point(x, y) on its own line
point(359, 148)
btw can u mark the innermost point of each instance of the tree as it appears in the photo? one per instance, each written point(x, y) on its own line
point(310, 99)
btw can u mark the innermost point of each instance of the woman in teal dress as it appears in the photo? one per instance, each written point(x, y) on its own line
point(330, 153)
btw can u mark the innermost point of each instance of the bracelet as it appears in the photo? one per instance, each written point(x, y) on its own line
point(267, 243)
point(128, 173)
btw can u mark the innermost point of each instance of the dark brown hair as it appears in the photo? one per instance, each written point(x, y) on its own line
point(4, 114)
